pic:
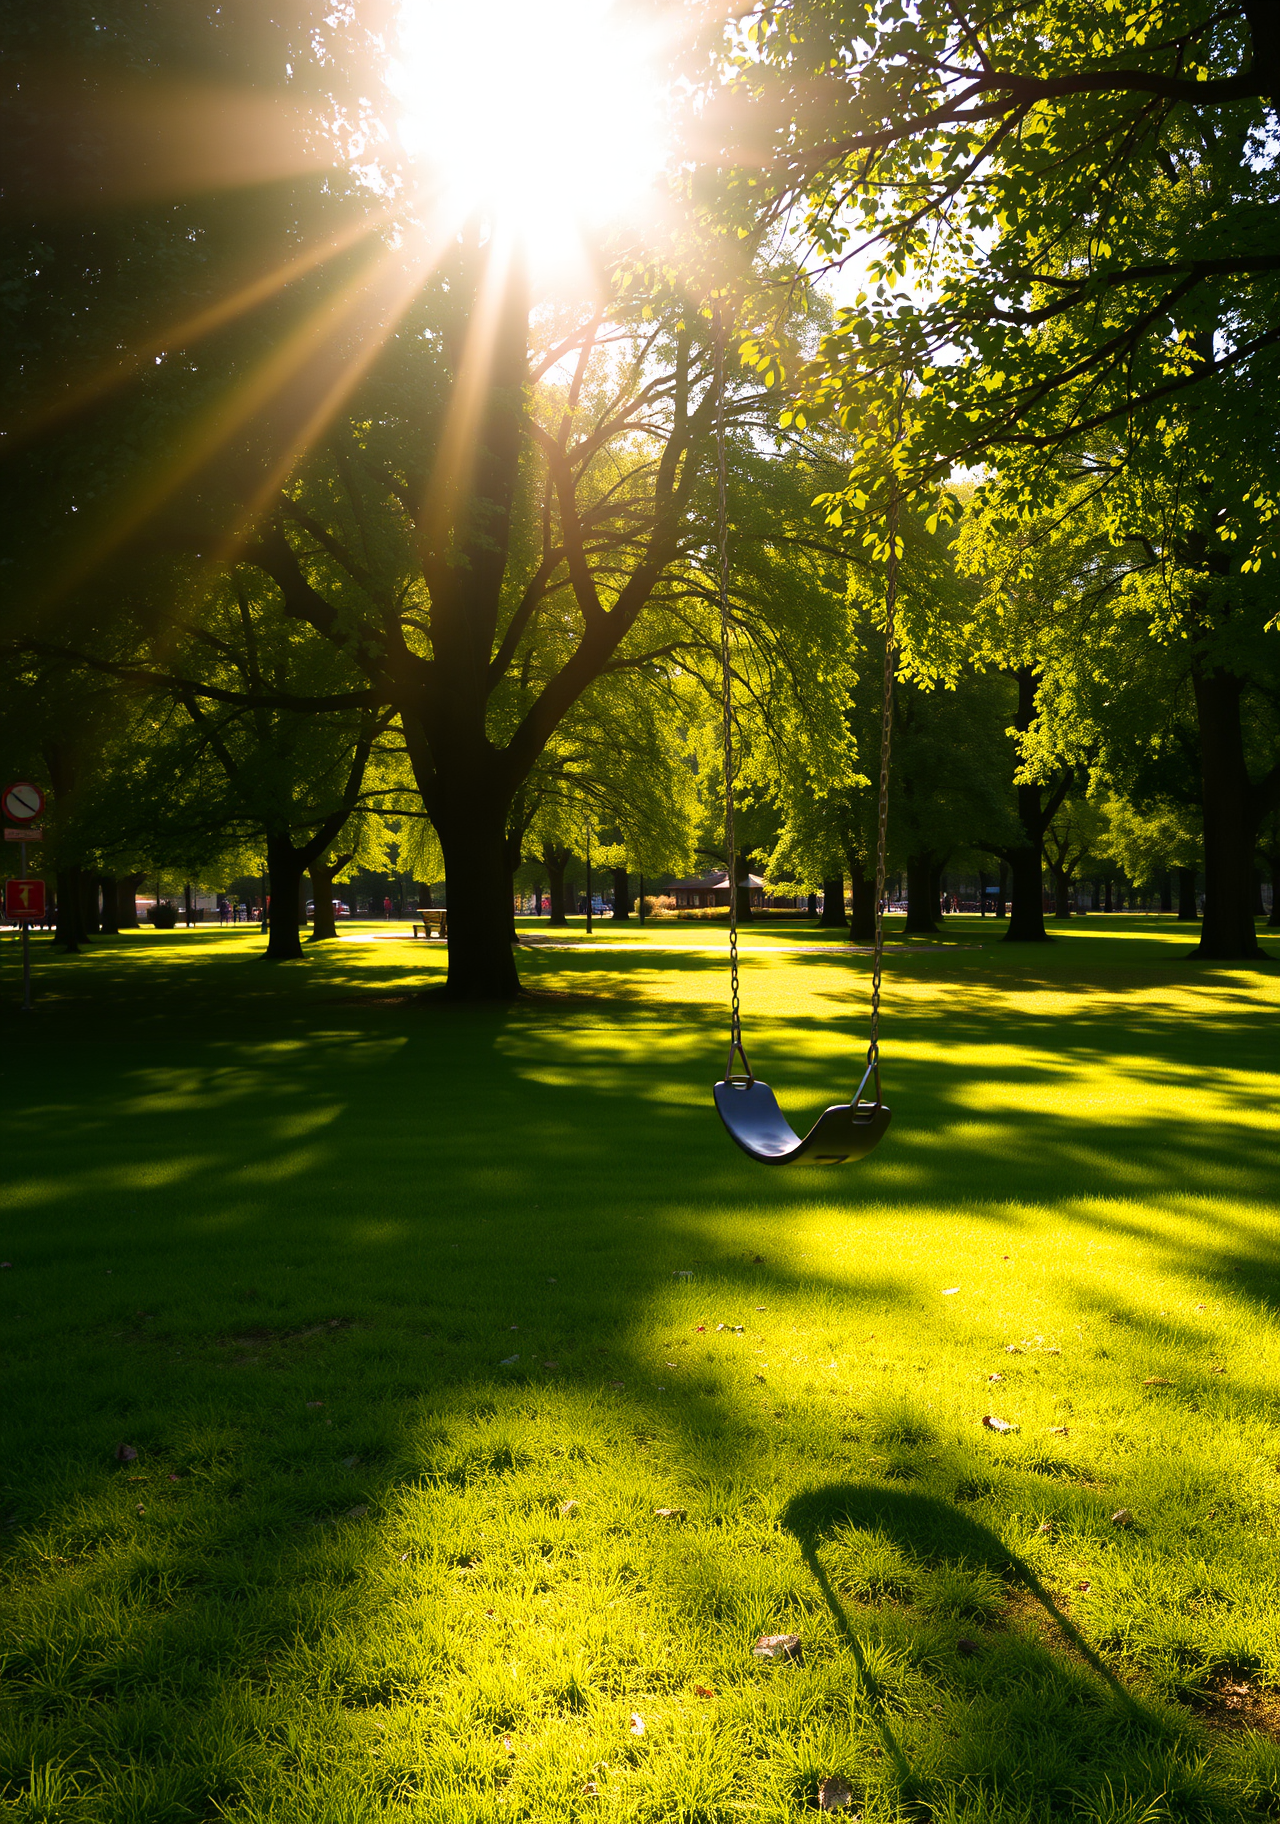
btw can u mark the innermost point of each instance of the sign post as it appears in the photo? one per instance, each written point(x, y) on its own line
point(24, 901)
point(23, 898)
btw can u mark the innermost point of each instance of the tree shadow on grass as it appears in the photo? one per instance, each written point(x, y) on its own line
point(1031, 1718)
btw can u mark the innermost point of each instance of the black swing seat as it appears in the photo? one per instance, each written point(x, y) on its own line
point(755, 1122)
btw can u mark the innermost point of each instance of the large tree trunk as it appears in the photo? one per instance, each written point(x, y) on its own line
point(127, 901)
point(833, 913)
point(68, 928)
point(621, 893)
point(110, 905)
point(922, 894)
point(1230, 830)
point(862, 925)
point(1187, 908)
point(285, 870)
point(1026, 914)
point(1166, 890)
point(1061, 892)
point(474, 839)
point(324, 926)
point(90, 919)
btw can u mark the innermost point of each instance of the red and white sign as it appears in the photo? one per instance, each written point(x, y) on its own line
point(24, 899)
point(25, 832)
point(23, 801)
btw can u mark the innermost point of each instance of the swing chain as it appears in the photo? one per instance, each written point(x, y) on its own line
point(726, 705)
point(886, 736)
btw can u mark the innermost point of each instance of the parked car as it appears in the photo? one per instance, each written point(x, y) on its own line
point(339, 910)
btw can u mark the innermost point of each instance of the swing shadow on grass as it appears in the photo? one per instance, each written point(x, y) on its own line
point(1030, 1726)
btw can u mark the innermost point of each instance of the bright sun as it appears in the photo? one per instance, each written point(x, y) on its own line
point(546, 118)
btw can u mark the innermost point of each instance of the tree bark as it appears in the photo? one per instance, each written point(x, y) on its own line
point(110, 922)
point(324, 925)
point(1026, 914)
point(68, 928)
point(833, 913)
point(922, 894)
point(285, 868)
point(1187, 908)
point(91, 922)
point(127, 902)
point(1166, 890)
point(555, 860)
point(1061, 892)
point(1230, 822)
point(621, 894)
point(473, 835)
point(862, 925)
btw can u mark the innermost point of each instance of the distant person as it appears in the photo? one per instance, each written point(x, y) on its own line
point(386, 907)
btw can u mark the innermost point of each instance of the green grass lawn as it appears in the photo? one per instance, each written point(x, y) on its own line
point(384, 1295)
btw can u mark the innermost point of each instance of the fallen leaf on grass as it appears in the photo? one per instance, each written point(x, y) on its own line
point(1156, 1380)
point(1058, 1431)
point(125, 1453)
point(552, 1365)
point(1217, 1371)
point(950, 1291)
point(506, 1743)
point(617, 1386)
point(834, 1794)
point(356, 1513)
point(566, 1508)
point(174, 1476)
point(1083, 1586)
point(758, 1377)
point(5, 1265)
point(967, 1648)
point(778, 1646)
point(995, 1377)
point(1001, 1425)
point(636, 1725)
point(1046, 1526)
point(703, 1691)
point(508, 1361)
point(669, 1513)
point(314, 1405)
point(1122, 1517)
point(350, 1462)
point(141, 1510)
point(1012, 1349)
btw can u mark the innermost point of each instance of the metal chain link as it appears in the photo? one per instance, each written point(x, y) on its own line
point(886, 737)
point(726, 704)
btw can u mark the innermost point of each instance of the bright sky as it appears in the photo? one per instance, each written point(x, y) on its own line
point(548, 118)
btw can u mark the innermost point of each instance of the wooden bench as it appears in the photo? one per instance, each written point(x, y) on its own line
point(432, 921)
